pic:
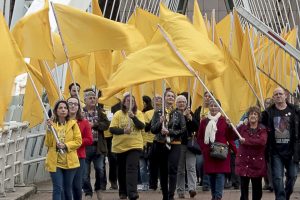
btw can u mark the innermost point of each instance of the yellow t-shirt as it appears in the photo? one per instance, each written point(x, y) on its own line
point(148, 116)
point(126, 142)
point(61, 158)
point(203, 113)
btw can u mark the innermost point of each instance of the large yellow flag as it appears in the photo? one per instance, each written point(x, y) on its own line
point(33, 35)
point(146, 23)
point(223, 29)
point(12, 64)
point(198, 20)
point(201, 53)
point(33, 116)
point(156, 61)
point(236, 38)
point(84, 32)
point(47, 82)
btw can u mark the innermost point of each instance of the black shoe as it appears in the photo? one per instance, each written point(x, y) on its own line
point(113, 186)
point(205, 188)
point(192, 193)
point(122, 196)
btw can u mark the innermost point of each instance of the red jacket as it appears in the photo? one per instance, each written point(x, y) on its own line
point(224, 135)
point(86, 135)
point(250, 160)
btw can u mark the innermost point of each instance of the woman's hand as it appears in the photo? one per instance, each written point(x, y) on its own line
point(242, 140)
point(162, 119)
point(49, 123)
point(164, 131)
point(130, 114)
point(187, 114)
point(127, 130)
point(61, 146)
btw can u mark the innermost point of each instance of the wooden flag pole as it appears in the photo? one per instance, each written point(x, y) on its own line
point(65, 50)
point(45, 111)
point(190, 68)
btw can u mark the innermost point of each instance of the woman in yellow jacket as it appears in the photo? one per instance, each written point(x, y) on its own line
point(62, 166)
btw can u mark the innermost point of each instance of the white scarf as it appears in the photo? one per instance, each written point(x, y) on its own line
point(211, 128)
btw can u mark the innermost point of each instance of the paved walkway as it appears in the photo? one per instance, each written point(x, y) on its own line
point(44, 192)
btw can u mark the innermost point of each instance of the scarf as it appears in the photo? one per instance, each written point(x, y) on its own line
point(211, 128)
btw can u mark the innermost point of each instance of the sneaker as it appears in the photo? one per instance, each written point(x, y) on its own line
point(88, 197)
point(181, 196)
point(99, 195)
point(139, 187)
point(145, 187)
point(113, 186)
point(193, 193)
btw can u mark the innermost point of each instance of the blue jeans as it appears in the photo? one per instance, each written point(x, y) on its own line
point(62, 183)
point(217, 182)
point(277, 165)
point(144, 171)
point(98, 161)
point(78, 179)
point(199, 168)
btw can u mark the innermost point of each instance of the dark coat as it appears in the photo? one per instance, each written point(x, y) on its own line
point(267, 120)
point(250, 159)
point(224, 135)
point(176, 126)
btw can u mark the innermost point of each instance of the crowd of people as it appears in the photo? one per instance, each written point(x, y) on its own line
point(166, 141)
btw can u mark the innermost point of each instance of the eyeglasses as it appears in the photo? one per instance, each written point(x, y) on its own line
point(72, 104)
point(278, 94)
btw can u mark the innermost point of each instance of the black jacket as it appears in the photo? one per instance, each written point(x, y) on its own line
point(176, 126)
point(267, 120)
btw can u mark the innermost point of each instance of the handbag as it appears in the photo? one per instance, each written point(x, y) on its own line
point(193, 146)
point(218, 150)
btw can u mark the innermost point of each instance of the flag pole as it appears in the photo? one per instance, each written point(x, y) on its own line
point(44, 109)
point(190, 68)
point(65, 50)
point(56, 83)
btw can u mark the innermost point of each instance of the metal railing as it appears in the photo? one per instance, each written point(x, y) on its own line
point(12, 145)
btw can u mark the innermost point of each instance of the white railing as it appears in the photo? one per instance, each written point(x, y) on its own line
point(12, 146)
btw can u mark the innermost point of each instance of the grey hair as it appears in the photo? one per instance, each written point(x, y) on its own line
point(180, 97)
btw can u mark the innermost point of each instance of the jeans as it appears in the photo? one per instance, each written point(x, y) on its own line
point(144, 170)
point(168, 164)
point(278, 164)
point(128, 163)
point(199, 166)
point(78, 179)
point(217, 182)
point(98, 161)
point(256, 188)
point(62, 183)
point(187, 163)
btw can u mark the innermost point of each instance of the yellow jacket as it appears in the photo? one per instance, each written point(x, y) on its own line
point(72, 141)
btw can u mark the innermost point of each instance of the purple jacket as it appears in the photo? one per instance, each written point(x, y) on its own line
point(250, 159)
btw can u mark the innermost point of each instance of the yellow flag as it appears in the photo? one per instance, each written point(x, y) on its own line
point(198, 20)
point(146, 23)
point(146, 65)
point(223, 29)
point(47, 82)
point(84, 32)
point(33, 35)
point(201, 53)
point(237, 38)
point(33, 116)
point(95, 8)
point(12, 64)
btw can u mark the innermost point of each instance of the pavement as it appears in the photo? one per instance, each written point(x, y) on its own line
point(44, 191)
